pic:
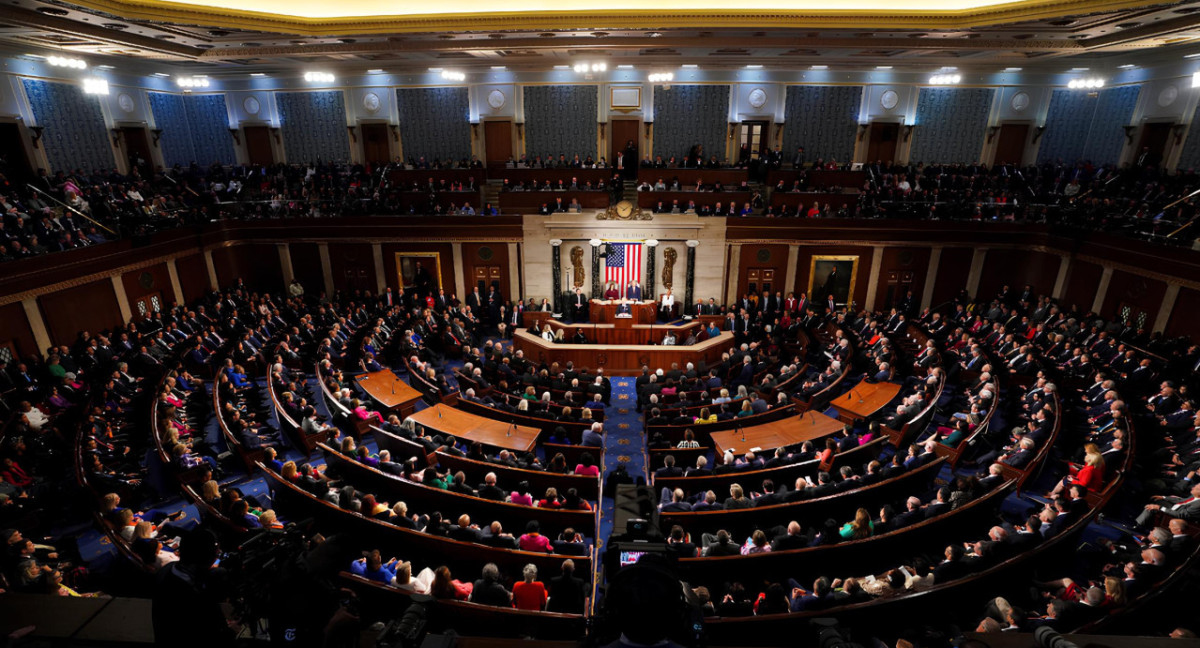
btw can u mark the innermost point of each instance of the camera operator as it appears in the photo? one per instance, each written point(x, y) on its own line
point(307, 607)
point(186, 608)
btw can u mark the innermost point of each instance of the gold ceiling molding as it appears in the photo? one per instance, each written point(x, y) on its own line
point(567, 18)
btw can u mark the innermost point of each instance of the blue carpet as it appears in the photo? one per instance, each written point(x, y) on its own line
point(624, 441)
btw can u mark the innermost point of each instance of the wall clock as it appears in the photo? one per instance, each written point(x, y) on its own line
point(251, 105)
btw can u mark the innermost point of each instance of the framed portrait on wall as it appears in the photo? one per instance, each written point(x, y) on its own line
point(832, 275)
point(420, 271)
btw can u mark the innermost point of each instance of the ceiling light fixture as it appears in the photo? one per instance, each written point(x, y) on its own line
point(454, 75)
point(258, 74)
point(1127, 66)
point(945, 79)
point(661, 77)
point(161, 75)
point(1085, 84)
point(67, 62)
point(93, 85)
point(625, 67)
point(819, 67)
point(883, 67)
point(562, 67)
point(1013, 69)
point(1192, 56)
point(318, 77)
point(754, 67)
point(689, 66)
point(584, 67)
point(191, 82)
point(375, 71)
point(499, 68)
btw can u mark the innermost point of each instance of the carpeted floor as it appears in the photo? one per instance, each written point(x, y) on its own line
point(624, 441)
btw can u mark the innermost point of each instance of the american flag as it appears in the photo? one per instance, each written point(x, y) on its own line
point(623, 264)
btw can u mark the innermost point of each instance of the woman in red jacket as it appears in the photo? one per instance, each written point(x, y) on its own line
point(1090, 475)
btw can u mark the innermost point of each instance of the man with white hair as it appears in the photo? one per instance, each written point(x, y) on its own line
point(593, 436)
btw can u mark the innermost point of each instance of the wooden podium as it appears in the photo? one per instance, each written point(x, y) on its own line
point(605, 311)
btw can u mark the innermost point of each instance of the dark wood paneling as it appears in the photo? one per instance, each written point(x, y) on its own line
point(862, 271)
point(258, 145)
point(256, 264)
point(1010, 148)
point(90, 307)
point(147, 281)
point(445, 252)
point(914, 260)
point(376, 148)
point(1183, 320)
point(1082, 279)
point(485, 254)
point(14, 327)
point(1016, 268)
point(953, 268)
point(352, 266)
point(1139, 293)
point(498, 143)
point(306, 266)
point(193, 276)
point(764, 256)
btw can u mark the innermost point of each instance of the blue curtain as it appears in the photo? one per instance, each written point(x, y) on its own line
point(195, 128)
point(950, 124)
point(75, 136)
point(822, 119)
point(314, 126)
point(687, 115)
point(435, 123)
point(561, 120)
point(1114, 108)
point(1189, 157)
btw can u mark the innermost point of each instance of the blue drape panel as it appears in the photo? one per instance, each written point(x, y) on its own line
point(195, 128)
point(314, 126)
point(1189, 157)
point(1114, 108)
point(434, 123)
point(687, 115)
point(951, 123)
point(561, 120)
point(75, 135)
point(1084, 125)
point(822, 119)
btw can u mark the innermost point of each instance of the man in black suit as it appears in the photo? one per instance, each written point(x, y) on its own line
point(677, 504)
point(769, 495)
point(913, 515)
point(567, 593)
point(678, 543)
point(794, 538)
point(494, 536)
point(489, 490)
point(952, 567)
point(465, 531)
point(940, 505)
point(669, 468)
point(489, 590)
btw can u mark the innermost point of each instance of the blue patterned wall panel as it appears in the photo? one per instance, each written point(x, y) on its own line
point(208, 121)
point(561, 120)
point(1067, 125)
point(1189, 157)
point(75, 135)
point(687, 115)
point(822, 119)
point(314, 126)
point(951, 123)
point(1107, 136)
point(434, 123)
point(171, 117)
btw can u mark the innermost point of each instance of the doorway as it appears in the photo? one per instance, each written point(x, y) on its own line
point(1152, 149)
point(624, 131)
point(486, 276)
point(759, 281)
point(258, 145)
point(147, 305)
point(376, 150)
point(137, 147)
point(497, 140)
point(1010, 144)
point(754, 134)
point(881, 144)
point(14, 162)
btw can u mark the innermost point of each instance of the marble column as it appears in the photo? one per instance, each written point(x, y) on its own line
point(596, 292)
point(976, 272)
point(380, 273)
point(1168, 304)
point(122, 298)
point(935, 258)
point(41, 335)
point(789, 280)
point(651, 262)
point(731, 285)
point(176, 287)
point(556, 272)
point(1102, 290)
point(212, 271)
point(690, 284)
point(326, 268)
point(1060, 282)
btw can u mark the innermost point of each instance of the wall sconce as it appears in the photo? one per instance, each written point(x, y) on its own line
point(1178, 130)
point(602, 125)
point(116, 136)
point(1129, 131)
point(648, 125)
point(156, 134)
point(350, 129)
point(520, 130)
point(862, 130)
point(275, 131)
point(732, 129)
point(395, 132)
point(908, 131)
point(37, 135)
point(233, 132)
point(779, 132)
point(475, 130)
point(1038, 132)
point(991, 133)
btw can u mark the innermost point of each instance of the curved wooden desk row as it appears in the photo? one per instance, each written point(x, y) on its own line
point(472, 428)
point(286, 423)
point(461, 557)
point(651, 199)
point(919, 422)
point(839, 506)
point(483, 620)
point(514, 517)
point(704, 432)
point(249, 456)
point(688, 177)
point(642, 334)
point(400, 448)
point(955, 454)
point(621, 359)
point(574, 428)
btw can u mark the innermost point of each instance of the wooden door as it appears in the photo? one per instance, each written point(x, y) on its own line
point(881, 145)
point(1010, 144)
point(376, 150)
point(14, 163)
point(1152, 149)
point(258, 145)
point(497, 140)
point(623, 132)
point(147, 305)
point(754, 133)
point(758, 280)
point(899, 282)
point(486, 276)
point(137, 147)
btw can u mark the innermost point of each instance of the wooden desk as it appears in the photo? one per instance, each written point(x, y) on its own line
point(603, 311)
point(617, 334)
point(790, 431)
point(864, 400)
point(688, 177)
point(531, 201)
point(471, 427)
point(622, 360)
point(529, 317)
point(390, 391)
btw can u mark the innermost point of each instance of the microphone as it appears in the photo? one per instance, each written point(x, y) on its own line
point(743, 431)
point(812, 418)
point(512, 424)
point(439, 410)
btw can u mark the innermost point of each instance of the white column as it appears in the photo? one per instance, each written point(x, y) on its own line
point(735, 258)
point(380, 279)
point(976, 270)
point(935, 259)
point(1102, 289)
point(212, 270)
point(514, 272)
point(176, 287)
point(285, 263)
point(789, 280)
point(873, 281)
point(122, 298)
point(40, 335)
point(326, 267)
point(1060, 282)
point(1168, 304)
point(457, 255)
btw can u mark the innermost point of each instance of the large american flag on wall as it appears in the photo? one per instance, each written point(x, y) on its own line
point(624, 263)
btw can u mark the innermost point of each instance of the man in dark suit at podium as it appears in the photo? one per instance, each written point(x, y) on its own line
point(624, 308)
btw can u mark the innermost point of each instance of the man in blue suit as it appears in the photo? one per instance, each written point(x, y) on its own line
point(634, 292)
